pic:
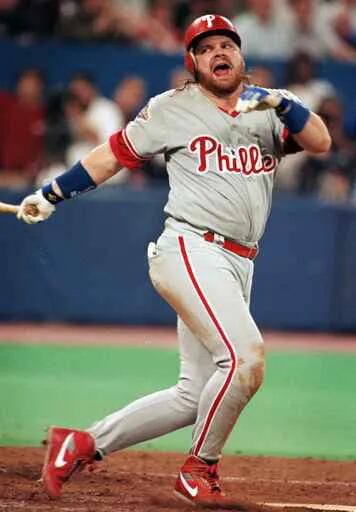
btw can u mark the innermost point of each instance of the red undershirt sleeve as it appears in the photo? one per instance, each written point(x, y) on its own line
point(124, 152)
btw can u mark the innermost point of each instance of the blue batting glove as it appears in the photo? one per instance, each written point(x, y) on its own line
point(256, 98)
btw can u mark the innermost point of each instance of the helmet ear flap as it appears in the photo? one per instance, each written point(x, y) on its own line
point(189, 62)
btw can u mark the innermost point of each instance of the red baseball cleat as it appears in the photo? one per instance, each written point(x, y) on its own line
point(198, 482)
point(67, 451)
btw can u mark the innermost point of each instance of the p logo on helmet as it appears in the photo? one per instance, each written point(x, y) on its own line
point(209, 19)
point(203, 26)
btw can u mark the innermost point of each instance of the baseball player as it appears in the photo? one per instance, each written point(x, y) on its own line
point(222, 140)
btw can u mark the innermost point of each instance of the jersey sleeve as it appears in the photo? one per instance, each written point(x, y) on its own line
point(142, 138)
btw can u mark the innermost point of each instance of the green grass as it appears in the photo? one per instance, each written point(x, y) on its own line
point(306, 407)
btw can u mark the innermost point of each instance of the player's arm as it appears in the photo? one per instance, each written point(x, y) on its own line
point(101, 164)
point(306, 128)
point(130, 147)
point(98, 166)
point(314, 137)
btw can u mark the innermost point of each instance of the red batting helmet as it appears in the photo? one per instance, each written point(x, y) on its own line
point(204, 26)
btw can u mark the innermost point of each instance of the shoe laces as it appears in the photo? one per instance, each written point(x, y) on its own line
point(213, 478)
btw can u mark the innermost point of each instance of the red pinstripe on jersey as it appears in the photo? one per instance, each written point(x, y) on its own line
point(219, 397)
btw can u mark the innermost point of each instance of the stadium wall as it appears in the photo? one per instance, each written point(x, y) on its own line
point(88, 263)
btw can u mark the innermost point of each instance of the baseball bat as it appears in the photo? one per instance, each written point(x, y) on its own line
point(8, 208)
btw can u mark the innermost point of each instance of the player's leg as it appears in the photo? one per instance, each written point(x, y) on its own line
point(164, 411)
point(209, 290)
point(239, 359)
point(170, 409)
point(146, 418)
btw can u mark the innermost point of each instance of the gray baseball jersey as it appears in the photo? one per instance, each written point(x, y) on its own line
point(221, 171)
point(221, 167)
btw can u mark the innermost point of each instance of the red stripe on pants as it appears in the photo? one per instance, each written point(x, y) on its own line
point(220, 395)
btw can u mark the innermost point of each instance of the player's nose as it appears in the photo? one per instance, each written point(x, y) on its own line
point(219, 50)
point(219, 53)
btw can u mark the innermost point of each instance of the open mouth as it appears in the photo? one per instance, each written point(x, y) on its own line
point(222, 69)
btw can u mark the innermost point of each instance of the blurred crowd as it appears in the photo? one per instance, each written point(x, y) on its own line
point(326, 28)
point(43, 131)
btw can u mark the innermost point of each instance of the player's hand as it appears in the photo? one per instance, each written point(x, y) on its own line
point(35, 208)
point(257, 98)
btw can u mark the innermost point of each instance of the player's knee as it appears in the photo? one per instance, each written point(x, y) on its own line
point(249, 372)
point(257, 375)
point(188, 393)
point(254, 368)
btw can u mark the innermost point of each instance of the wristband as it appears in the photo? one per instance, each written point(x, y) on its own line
point(71, 183)
point(293, 114)
point(49, 194)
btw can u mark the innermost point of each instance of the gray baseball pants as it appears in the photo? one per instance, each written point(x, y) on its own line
point(221, 348)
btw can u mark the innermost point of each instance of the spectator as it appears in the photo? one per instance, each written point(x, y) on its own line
point(228, 8)
point(129, 97)
point(262, 76)
point(342, 16)
point(114, 20)
point(29, 18)
point(186, 11)
point(22, 128)
point(331, 176)
point(301, 79)
point(58, 134)
point(92, 117)
point(178, 78)
point(101, 20)
point(263, 30)
point(57, 139)
point(158, 29)
point(139, 6)
point(311, 30)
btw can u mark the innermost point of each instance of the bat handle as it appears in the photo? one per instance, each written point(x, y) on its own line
point(8, 208)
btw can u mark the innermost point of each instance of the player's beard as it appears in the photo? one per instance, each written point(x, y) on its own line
point(222, 87)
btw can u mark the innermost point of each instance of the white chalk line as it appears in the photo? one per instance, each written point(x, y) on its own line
point(314, 506)
point(310, 506)
point(269, 481)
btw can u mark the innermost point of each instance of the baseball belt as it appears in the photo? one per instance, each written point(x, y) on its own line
point(231, 245)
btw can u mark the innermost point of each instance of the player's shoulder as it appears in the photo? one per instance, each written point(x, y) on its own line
point(172, 96)
point(167, 101)
point(161, 97)
point(154, 108)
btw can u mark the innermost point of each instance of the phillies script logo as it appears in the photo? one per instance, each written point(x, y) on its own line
point(245, 159)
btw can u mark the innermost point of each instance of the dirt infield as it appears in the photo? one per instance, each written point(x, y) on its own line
point(143, 481)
